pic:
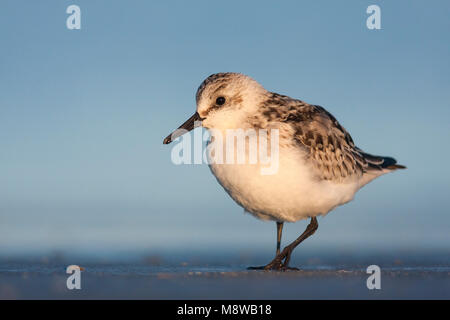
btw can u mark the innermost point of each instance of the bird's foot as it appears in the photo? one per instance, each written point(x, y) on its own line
point(270, 267)
point(275, 264)
point(256, 268)
point(279, 263)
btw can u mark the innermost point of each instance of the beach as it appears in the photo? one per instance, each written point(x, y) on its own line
point(156, 278)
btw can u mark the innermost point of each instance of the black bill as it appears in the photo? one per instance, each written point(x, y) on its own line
point(185, 127)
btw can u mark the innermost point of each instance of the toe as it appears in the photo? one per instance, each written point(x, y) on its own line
point(256, 268)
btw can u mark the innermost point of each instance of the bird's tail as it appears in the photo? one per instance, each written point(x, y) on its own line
point(377, 166)
point(396, 166)
point(381, 163)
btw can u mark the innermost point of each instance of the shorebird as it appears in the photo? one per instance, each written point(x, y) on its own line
point(320, 166)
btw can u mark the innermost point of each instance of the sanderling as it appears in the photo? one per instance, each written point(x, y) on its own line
point(319, 169)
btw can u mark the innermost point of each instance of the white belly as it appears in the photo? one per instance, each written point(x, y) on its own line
point(290, 195)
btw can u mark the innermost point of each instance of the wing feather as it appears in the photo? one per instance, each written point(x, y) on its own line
point(330, 148)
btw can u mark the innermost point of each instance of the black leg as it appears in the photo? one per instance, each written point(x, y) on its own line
point(278, 263)
point(279, 232)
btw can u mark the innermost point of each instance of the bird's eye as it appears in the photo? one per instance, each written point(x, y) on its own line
point(220, 101)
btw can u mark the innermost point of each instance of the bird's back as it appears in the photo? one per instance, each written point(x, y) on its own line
point(329, 147)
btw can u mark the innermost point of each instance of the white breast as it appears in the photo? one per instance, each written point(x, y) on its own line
point(290, 195)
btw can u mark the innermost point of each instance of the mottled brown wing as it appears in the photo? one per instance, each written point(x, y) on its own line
point(329, 146)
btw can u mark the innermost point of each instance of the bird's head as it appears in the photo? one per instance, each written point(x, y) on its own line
point(222, 99)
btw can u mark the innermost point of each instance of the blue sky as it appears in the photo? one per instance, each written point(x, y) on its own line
point(83, 114)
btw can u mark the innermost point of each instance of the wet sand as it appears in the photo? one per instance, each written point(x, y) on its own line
point(184, 281)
